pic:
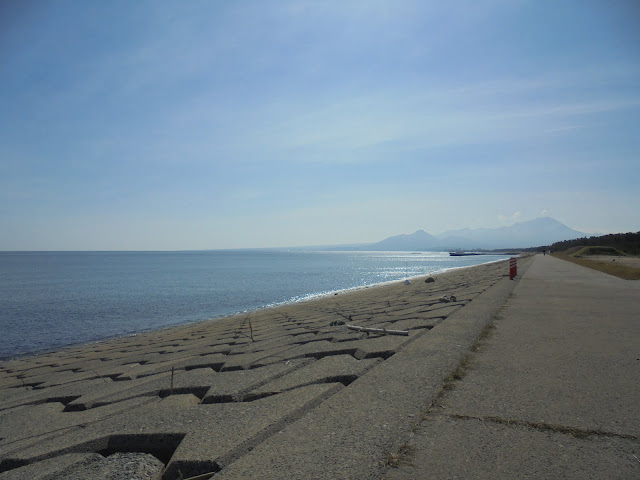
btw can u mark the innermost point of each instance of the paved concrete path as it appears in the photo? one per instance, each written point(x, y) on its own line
point(552, 392)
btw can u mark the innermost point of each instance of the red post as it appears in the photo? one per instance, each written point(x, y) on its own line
point(513, 267)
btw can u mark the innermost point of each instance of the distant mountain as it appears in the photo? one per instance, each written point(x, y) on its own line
point(538, 232)
point(419, 240)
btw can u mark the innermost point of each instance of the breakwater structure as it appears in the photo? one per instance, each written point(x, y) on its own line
point(286, 392)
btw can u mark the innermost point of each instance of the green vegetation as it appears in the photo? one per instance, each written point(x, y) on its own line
point(394, 460)
point(621, 271)
point(617, 245)
point(628, 243)
point(585, 251)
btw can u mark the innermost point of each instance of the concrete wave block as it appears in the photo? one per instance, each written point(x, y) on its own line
point(256, 359)
point(193, 381)
point(22, 396)
point(125, 465)
point(53, 378)
point(47, 418)
point(140, 371)
point(281, 340)
point(348, 434)
point(233, 384)
point(207, 435)
point(213, 361)
point(180, 400)
point(413, 324)
point(372, 346)
point(231, 429)
point(340, 368)
point(51, 467)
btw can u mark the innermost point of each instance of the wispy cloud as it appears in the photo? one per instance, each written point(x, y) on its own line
point(360, 116)
point(441, 117)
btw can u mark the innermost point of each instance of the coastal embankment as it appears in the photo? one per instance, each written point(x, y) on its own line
point(550, 391)
point(285, 392)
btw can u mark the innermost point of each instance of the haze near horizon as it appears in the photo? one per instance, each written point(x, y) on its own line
point(158, 125)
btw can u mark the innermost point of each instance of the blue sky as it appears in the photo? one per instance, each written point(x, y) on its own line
point(156, 125)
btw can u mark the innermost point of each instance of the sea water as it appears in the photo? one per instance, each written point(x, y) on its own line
point(54, 299)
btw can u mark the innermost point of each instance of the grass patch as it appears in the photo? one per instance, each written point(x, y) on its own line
point(457, 375)
point(615, 269)
point(544, 427)
point(598, 251)
point(465, 364)
point(393, 460)
point(486, 332)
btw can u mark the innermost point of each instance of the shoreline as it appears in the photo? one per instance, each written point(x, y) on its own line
point(224, 397)
point(291, 301)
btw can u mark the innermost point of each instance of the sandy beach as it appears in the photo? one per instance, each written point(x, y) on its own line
point(287, 386)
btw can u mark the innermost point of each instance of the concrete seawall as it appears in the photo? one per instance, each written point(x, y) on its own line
point(287, 392)
point(551, 392)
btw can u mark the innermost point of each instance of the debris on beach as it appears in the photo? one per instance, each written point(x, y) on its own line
point(382, 331)
point(448, 298)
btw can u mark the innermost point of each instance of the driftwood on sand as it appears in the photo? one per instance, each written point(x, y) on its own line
point(383, 331)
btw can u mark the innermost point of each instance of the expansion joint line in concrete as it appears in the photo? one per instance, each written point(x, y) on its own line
point(273, 429)
point(541, 426)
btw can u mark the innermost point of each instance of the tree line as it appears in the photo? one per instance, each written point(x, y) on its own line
point(626, 242)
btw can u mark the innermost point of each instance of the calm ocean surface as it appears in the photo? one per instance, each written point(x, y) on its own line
point(54, 299)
